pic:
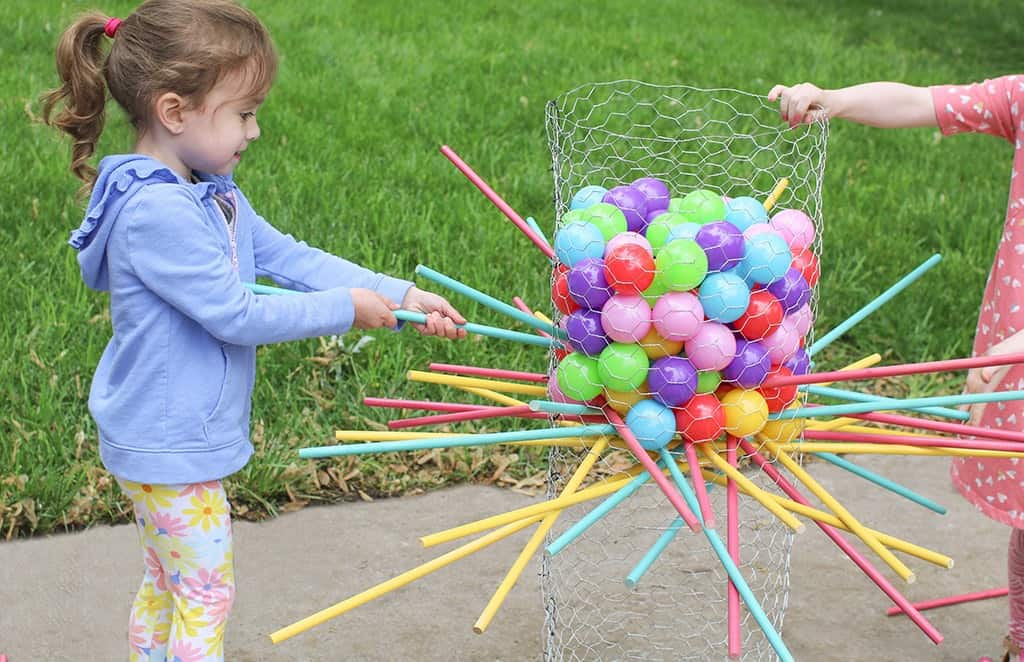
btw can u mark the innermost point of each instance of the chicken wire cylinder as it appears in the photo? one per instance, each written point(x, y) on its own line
point(733, 144)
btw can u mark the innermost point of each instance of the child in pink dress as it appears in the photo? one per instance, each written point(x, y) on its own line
point(995, 107)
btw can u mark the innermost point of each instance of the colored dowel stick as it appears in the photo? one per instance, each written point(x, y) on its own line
point(900, 370)
point(773, 197)
point(476, 382)
point(877, 303)
point(903, 440)
point(909, 403)
point(536, 228)
point(855, 396)
point(497, 373)
point(882, 482)
point(510, 213)
point(953, 600)
point(732, 542)
point(707, 514)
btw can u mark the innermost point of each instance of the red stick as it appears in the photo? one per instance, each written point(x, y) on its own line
point(498, 202)
point(906, 440)
point(699, 488)
point(940, 426)
point(954, 600)
point(420, 404)
point(895, 370)
point(844, 545)
point(497, 373)
point(522, 411)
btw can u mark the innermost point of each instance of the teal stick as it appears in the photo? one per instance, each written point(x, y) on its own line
point(842, 394)
point(602, 509)
point(489, 301)
point(536, 228)
point(909, 403)
point(552, 407)
point(877, 303)
point(753, 606)
point(455, 442)
point(882, 481)
point(420, 318)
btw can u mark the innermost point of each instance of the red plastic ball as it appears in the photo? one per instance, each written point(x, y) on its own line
point(762, 316)
point(807, 263)
point(701, 419)
point(560, 291)
point(629, 269)
point(779, 397)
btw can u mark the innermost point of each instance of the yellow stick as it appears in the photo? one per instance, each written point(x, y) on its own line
point(399, 581)
point(398, 435)
point(871, 430)
point(542, 317)
point(773, 197)
point(475, 382)
point(500, 398)
point(831, 424)
point(602, 488)
point(898, 544)
point(842, 513)
point(866, 362)
point(892, 449)
point(487, 615)
point(753, 490)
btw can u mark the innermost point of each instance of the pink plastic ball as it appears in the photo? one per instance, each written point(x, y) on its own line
point(757, 228)
point(712, 348)
point(677, 315)
point(796, 228)
point(783, 342)
point(623, 238)
point(626, 318)
point(802, 319)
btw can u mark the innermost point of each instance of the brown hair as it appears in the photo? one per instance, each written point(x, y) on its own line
point(180, 46)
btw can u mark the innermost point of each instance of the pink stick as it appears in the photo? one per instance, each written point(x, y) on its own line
point(954, 600)
point(895, 370)
point(521, 305)
point(420, 404)
point(699, 488)
point(941, 426)
point(906, 440)
point(497, 373)
point(842, 543)
point(732, 543)
point(671, 493)
point(498, 202)
point(476, 414)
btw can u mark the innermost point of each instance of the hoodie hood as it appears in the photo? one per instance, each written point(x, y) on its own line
point(118, 179)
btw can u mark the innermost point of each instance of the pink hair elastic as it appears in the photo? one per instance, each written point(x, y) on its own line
point(110, 29)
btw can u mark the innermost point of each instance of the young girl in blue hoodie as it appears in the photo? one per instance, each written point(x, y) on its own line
point(173, 239)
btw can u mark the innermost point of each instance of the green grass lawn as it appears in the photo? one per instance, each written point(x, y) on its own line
point(349, 161)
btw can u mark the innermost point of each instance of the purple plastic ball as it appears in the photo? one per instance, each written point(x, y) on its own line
point(723, 243)
point(585, 332)
point(791, 290)
point(588, 285)
point(651, 215)
point(799, 363)
point(656, 192)
point(672, 380)
point(751, 365)
point(633, 204)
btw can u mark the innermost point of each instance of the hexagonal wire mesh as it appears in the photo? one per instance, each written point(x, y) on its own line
point(734, 144)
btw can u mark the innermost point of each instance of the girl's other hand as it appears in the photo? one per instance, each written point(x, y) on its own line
point(441, 315)
point(372, 311)
point(987, 380)
point(800, 104)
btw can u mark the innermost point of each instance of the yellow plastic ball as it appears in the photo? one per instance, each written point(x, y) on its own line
point(623, 401)
point(656, 347)
point(782, 432)
point(746, 412)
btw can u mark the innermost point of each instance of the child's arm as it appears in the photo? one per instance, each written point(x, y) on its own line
point(881, 104)
point(987, 380)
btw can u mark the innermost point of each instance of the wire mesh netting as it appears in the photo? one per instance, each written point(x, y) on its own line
point(680, 292)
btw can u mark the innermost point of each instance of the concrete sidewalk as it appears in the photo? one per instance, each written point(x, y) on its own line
point(67, 597)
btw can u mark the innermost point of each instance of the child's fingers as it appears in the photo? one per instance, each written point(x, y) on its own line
point(775, 92)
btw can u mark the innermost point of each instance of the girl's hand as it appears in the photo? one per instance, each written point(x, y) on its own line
point(987, 380)
point(372, 311)
point(441, 315)
point(800, 104)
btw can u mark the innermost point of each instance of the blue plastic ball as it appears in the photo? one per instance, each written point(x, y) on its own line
point(577, 241)
point(766, 260)
point(652, 423)
point(744, 212)
point(724, 296)
point(586, 196)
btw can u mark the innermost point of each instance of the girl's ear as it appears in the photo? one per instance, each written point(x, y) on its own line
point(170, 112)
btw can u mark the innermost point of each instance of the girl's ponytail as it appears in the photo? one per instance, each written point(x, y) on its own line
point(83, 92)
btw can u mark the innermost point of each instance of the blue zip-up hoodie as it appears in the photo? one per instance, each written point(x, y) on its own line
point(172, 392)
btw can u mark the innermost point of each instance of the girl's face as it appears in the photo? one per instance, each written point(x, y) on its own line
point(216, 133)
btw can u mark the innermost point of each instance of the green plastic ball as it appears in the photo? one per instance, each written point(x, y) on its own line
point(608, 218)
point(682, 265)
point(578, 376)
point(623, 366)
point(700, 206)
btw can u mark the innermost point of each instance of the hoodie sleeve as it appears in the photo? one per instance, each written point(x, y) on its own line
point(178, 256)
point(296, 265)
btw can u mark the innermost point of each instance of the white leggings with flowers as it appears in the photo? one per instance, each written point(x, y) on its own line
point(182, 607)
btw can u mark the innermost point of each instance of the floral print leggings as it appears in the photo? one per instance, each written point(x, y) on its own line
point(182, 607)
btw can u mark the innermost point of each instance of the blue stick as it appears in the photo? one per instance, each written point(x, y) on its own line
point(909, 403)
point(552, 407)
point(454, 442)
point(841, 394)
point(753, 606)
point(489, 301)
point(602, 509)
point(536, 228)
point(900, 285)
point(882, 481)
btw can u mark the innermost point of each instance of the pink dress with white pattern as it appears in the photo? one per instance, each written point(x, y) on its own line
point(996, 107)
